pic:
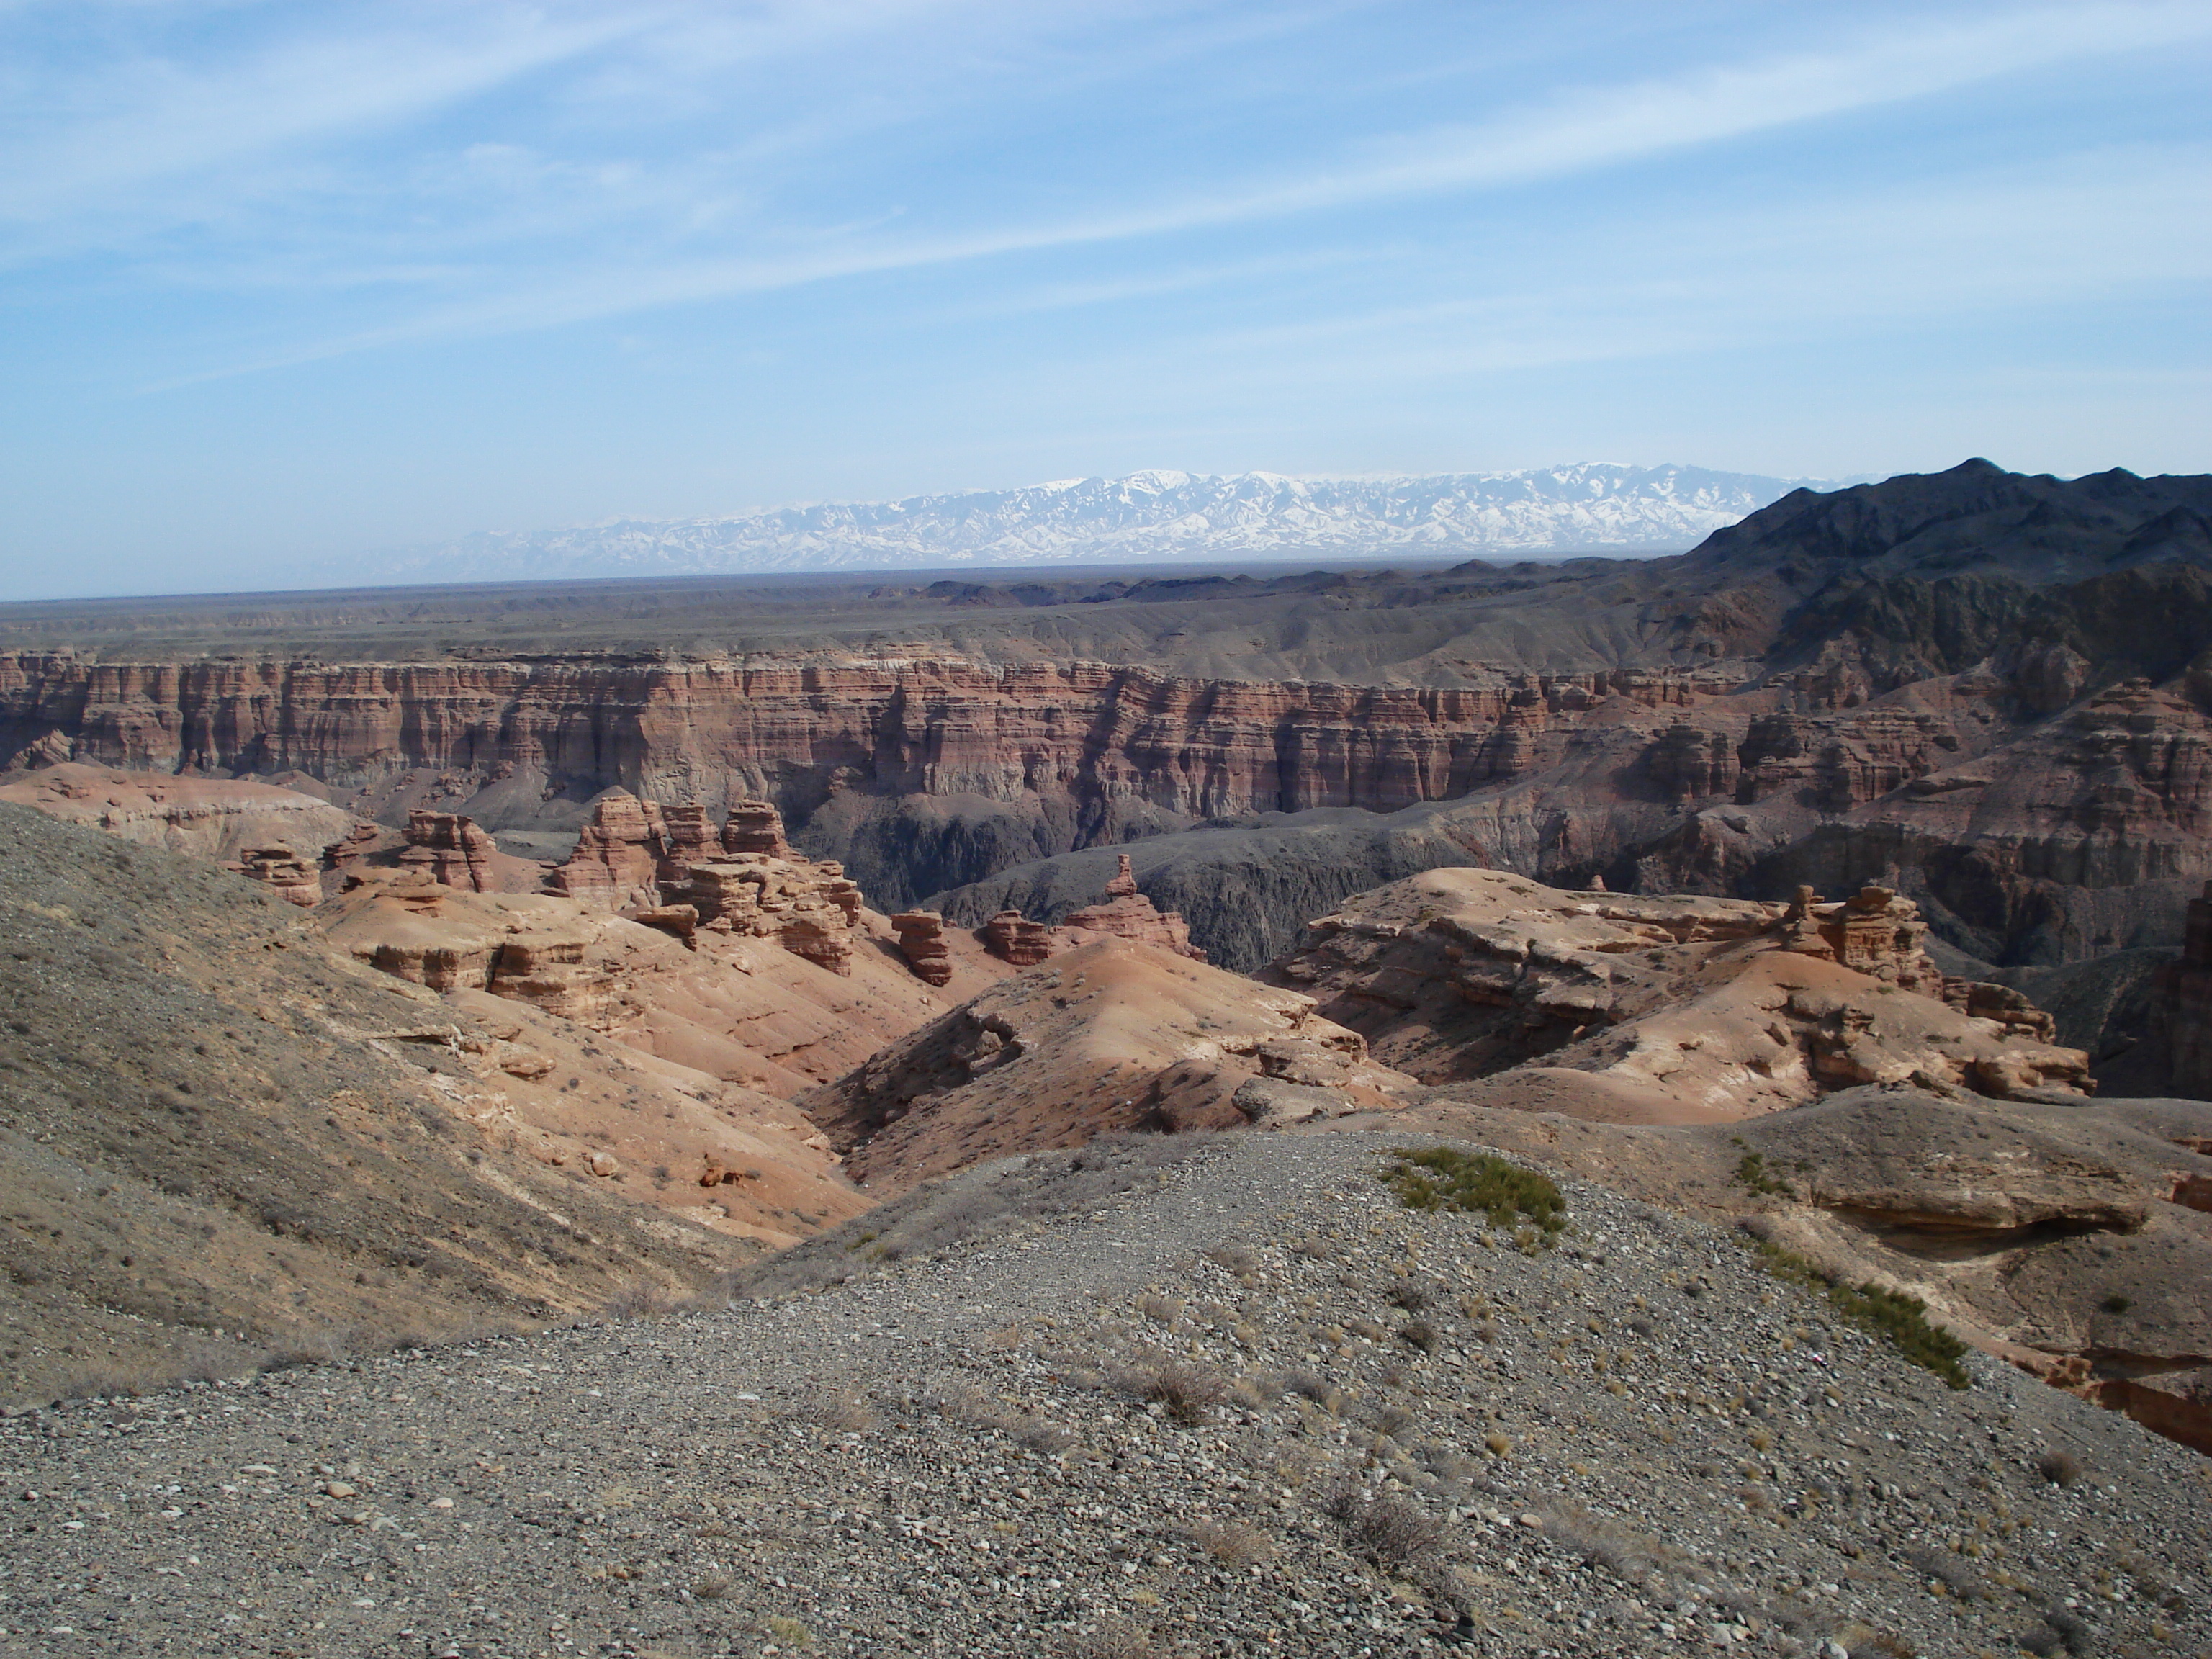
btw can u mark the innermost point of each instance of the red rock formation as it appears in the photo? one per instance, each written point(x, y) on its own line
point(217, 819)
point(688, 837)
point(679, 921)
point(921, 942)
point(1012, 937)
point(616, 861)
point(450, 849)
point(287, 875)
point(756, 826)
point(1878, 934)
point(1125, 913)
point(343, 855)
point(1675, 1009)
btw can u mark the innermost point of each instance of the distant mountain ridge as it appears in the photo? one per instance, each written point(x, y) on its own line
point(1145, 516)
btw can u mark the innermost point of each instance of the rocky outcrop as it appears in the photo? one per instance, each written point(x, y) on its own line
point(1642, 1008)
point(1012, 937)
point(1110, 1035)
point(215, 818)
point(756, 826)
point(615, 865)
point(1123, 912)
point(639, 859)
point(1120, 912)
point(739, 1006)
point(921, 942)
point(283, 871)
point(2183, 1004)
point(451, 850)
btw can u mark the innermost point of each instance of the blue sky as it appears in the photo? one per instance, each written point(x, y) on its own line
point(284, 280)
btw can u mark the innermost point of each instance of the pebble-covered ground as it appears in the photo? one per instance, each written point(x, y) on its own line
point(1250, 1405)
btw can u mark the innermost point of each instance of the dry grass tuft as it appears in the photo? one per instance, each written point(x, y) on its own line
point(1233, 1546)
point(1393, 1533)
point(1189, 1393)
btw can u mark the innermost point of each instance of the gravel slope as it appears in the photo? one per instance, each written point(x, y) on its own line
point(1635, 1442)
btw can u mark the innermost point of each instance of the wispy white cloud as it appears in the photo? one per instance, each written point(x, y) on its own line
point(1589, 128)
point(1987, 245)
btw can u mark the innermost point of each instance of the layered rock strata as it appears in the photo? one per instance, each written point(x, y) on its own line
point(215, 818)
point(1114, 1034)
point(738, 1006)
point(451, 850)
point(1665, 1010)
point(921, 942)
point(1120, 912)
point(283, 871)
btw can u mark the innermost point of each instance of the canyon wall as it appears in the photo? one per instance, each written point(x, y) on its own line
point(1021, 762)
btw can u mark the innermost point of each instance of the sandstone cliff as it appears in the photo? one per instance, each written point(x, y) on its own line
point(1664, 1010)
point(1985, 691)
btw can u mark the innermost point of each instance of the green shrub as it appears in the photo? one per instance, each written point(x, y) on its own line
point(1751, 1172)
point(1899, 1320)
point(1445, 1178)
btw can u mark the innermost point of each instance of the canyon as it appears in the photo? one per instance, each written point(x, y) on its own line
point(1985, 691)
point(1850, 850)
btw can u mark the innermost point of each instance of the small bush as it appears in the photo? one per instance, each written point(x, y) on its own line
point(1045, 1439)
point(639, 1300)
point(789, 1631)
point(1420, 1334)
point(1232, 1545)
point(1234, 1258)
point(1898, 1319)
point(1751, 1172)
point(2060, 1469)
point(1190, 1392)
point(712, 1588)
point(1413, 1297)
point(1479, 1183)
point(845, 1413)
point(1393, 1534)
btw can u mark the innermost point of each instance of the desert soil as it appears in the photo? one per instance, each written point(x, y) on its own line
point(912, 1441)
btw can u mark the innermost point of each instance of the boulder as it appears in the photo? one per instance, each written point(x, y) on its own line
point(921, 942)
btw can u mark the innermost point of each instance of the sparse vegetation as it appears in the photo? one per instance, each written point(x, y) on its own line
point(2060, 1469)
point(1393, 1533)
point(1899, 1320)
point(1751, 1172)
point(1237, 1259)
point(1233, 1544)
point(1478, 1183)
point(1189, 1393)
point(641, 1299)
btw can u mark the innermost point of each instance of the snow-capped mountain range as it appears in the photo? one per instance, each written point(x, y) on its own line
point(1146, 516)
